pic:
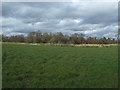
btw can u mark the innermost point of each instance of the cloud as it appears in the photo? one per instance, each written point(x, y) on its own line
point(92, 19)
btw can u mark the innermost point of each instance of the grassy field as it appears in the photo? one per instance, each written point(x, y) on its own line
point(38, 66)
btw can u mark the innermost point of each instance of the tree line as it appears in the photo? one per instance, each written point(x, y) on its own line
point(57, 38)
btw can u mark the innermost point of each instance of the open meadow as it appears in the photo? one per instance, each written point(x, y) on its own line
point(40, 66)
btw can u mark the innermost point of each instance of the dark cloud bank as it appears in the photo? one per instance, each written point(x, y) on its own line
point(96, 19)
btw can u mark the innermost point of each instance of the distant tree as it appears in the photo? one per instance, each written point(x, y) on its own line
point(81, 39)
point(34, 37)
point(5, 38)
point(46, 37)
point(74, 39)
point(91, 40)
point(65, 40)
point(104, 40)
point(16, 38)
point(59, 38)
point(0, 37)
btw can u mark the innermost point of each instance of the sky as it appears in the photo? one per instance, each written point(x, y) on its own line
point(94, 19)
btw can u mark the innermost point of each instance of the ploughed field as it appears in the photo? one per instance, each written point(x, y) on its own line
point(40, 66)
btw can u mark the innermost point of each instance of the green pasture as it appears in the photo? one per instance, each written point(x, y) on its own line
point(38, 66)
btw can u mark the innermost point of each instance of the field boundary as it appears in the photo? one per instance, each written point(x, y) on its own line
point(71, 45)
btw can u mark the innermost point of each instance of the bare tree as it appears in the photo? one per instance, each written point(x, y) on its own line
point(34, 37)
point(60, 38)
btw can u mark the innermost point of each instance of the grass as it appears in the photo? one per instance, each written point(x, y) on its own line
point(38, 66)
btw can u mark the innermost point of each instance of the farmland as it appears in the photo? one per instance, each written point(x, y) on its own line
point(40, 66)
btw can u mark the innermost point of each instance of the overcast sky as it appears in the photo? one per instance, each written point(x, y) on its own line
point(95, 19)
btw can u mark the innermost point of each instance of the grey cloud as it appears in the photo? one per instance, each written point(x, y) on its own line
point(88, 18)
